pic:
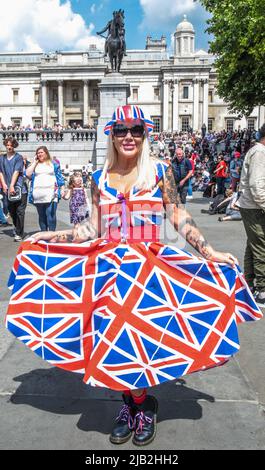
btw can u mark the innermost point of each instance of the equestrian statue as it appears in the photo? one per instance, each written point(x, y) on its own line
point(115, 45)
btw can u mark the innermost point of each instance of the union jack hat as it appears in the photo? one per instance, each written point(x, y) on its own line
point(128, 112)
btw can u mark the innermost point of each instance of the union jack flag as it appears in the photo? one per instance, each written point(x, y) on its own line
point(126, 315)
point(128, 113)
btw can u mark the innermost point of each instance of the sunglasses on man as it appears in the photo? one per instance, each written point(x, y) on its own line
point(119, 130)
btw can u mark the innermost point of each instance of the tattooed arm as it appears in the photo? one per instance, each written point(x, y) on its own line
point(184, 223)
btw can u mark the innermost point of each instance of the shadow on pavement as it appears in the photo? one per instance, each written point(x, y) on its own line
point(200, 200)
point(61, 392)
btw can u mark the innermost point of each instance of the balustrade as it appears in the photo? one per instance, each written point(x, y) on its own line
point(46, 135)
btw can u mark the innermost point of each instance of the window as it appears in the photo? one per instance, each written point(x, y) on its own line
point(36, 96)
point(156, 93)
point(251, 124)
point(135, 94)
point(95, 95)
point(185, 123)
point(15, 95)
point(36, 122)
point(157, 123)
point(95, 122)
point(185, 92)
point(210, 124)
point(75, 94)
point(16, 121)
point(54, 95)
point(210, 96)
point(230, 124)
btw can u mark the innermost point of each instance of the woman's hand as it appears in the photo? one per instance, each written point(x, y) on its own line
point(220, 257)
point(47, 236)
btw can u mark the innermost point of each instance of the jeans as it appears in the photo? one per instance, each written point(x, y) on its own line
point(234, 183)
point(5, 204)
point(17, 211)
point(47, 215)
point(220, 185)
point(254, 260)
point(190, 188)
point(3, 219)
point(182, 190)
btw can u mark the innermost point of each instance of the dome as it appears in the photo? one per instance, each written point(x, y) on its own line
point(185, 26)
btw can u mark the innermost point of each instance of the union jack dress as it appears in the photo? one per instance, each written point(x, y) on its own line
point(127, 315)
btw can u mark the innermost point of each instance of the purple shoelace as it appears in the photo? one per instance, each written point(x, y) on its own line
point(142, 420)
point(125, 415)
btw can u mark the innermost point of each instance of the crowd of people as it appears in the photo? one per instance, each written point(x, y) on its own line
point(210, 165)
point(196, 162)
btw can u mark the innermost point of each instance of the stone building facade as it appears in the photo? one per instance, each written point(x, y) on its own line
point(178, 91)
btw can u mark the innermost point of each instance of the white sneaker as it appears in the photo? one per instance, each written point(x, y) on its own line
point(189, 197)
point(17, 238)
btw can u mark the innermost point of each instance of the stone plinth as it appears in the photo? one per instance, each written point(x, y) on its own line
point(114, 91)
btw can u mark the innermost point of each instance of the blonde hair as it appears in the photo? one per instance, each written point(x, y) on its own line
point(146, 165)
point(76, 174)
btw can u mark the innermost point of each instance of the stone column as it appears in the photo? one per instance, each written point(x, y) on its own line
point(48, 104)
point(44, 102)
point(85, 104)
point(165, 105)
point(114, 91)
point(176, 106)
point(60, 102)
point(182, 45)
point(205, 103)
point(195, 104)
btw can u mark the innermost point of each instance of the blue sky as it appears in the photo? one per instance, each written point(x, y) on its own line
point(145, 17)
point(49, 25)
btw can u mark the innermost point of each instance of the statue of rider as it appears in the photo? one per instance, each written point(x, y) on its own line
point(108, 28)
point(121, 32)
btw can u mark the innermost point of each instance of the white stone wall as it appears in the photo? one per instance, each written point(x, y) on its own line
point(24, 107)
point(147, 73)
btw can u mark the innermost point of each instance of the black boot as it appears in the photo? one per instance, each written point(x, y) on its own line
point(145, 421)
point(122, 430)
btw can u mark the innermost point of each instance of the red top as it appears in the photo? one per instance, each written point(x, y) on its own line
point(221, 169)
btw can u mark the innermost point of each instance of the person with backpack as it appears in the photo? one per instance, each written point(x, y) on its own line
point(182, 170)
point(12, 182)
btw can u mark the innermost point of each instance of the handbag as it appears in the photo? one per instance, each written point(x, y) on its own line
point(15, 196)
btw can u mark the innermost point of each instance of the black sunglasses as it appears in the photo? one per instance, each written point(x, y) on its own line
point(121, 131)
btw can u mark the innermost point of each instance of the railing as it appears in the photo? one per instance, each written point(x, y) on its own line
point(75, 135)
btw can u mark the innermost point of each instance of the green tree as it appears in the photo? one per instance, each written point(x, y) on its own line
point(238, 29)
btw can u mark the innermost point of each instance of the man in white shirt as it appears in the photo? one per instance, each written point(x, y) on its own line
point(252, 209)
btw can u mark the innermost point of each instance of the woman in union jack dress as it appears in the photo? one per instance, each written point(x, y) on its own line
point(109, 300)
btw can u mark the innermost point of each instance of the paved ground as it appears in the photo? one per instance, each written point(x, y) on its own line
point(42, 407)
